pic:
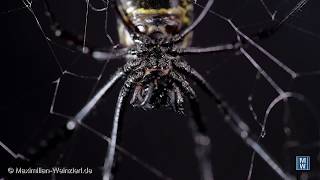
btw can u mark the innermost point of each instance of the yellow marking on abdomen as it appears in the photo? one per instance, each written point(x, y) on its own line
point(178, 11)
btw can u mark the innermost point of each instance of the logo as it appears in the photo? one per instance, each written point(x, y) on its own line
point(10, 170)
point(302, 163)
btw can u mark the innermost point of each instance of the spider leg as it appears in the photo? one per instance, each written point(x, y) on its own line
point(77, 41)
point(232, 47)
point(233, 120)
point(229, 47)
point(198, 129)
point(109, 164)
point(97, 97)
point(177, 99)
point(148, 96)
point(264, 33)
point(202, 140)
point(204, 12)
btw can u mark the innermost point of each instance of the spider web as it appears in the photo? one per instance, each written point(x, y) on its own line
point(272, 84)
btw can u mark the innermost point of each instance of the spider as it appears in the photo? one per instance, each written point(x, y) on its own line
point(155, 37)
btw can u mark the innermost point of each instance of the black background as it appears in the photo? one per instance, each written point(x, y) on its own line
point(161, 138)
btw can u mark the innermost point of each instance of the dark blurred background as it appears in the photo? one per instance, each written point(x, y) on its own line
point(160, 138)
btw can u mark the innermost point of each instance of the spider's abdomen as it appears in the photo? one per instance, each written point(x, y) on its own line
point(154, 18)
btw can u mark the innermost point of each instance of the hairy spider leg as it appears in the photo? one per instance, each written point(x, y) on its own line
point(232, 47)
point(110, 161)
point(198, 129)
point(178, 99)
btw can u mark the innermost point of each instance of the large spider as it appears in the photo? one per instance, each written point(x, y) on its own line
point(155, 36)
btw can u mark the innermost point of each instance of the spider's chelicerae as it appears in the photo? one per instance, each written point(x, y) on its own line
point(154, 38)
